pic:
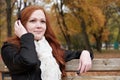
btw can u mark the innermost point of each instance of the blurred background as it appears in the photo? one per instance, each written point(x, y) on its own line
point(78, 24)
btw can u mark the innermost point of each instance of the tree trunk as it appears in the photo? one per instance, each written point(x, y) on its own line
point(68, 40)
point(85, 36)
point(84, 33)
point(98, 42)
point(9, 13)
point(63, 26)
point(118, 36)
point(98, 45)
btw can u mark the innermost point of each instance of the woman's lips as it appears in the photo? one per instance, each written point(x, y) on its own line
point(38, 32)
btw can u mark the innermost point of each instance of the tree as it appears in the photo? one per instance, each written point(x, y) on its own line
point(111, 11)
point(9, 9)
point(114, 16)
point(62, 22)
point(2, 21)
point(78, 9)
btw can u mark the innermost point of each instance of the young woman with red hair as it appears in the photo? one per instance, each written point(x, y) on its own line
point(34, 53)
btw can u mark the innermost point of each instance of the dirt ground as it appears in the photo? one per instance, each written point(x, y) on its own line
point(104, 54)
point(107, 54)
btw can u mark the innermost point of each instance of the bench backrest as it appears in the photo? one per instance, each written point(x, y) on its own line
point(99, 65)
point(102, 65)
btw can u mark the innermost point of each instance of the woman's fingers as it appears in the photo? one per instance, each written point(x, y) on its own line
point(19, 28)
point(85, 62)
point(84, 68)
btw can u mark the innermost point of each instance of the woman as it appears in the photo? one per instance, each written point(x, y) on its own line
point(34, 53)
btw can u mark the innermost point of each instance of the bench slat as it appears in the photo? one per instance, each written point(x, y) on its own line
point(3, 68)
point(93, 78)
point(112, 64)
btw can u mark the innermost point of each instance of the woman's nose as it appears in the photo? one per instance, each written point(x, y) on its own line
point(38, 24)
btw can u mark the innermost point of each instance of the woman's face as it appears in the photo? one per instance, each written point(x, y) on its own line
point(36, 24)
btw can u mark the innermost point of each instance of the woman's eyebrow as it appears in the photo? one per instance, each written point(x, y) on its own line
point(37, 18)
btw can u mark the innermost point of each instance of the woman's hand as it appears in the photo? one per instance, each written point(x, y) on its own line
point(19, 29)
point(85, 62)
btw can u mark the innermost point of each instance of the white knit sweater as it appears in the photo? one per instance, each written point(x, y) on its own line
point(49, 67)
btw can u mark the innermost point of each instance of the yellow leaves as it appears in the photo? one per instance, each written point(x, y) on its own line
point(97, 16)
point(105, 35)
point(72, 24)
point(92, 15)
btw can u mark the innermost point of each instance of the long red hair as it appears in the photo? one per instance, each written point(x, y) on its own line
point(58, 53)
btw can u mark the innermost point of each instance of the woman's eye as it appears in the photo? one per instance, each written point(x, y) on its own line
point(43, 21)
point(32, 20)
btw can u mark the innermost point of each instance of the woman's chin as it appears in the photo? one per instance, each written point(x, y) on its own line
point(38, 38)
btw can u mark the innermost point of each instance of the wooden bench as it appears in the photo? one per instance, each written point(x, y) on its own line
point(99, 65)
point(4, 73)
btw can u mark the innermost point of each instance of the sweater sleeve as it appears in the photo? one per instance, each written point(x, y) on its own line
point(69, 55)
point(21, 60)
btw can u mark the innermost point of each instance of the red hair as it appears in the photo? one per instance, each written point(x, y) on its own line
point(58, 53)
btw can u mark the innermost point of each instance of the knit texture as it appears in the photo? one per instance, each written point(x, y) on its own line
point(49, 67)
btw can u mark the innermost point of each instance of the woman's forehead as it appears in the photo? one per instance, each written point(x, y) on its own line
point(38, 14)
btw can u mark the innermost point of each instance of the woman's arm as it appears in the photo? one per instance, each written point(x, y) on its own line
point(85, 59)
point(23, 59)
point(69, 55)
